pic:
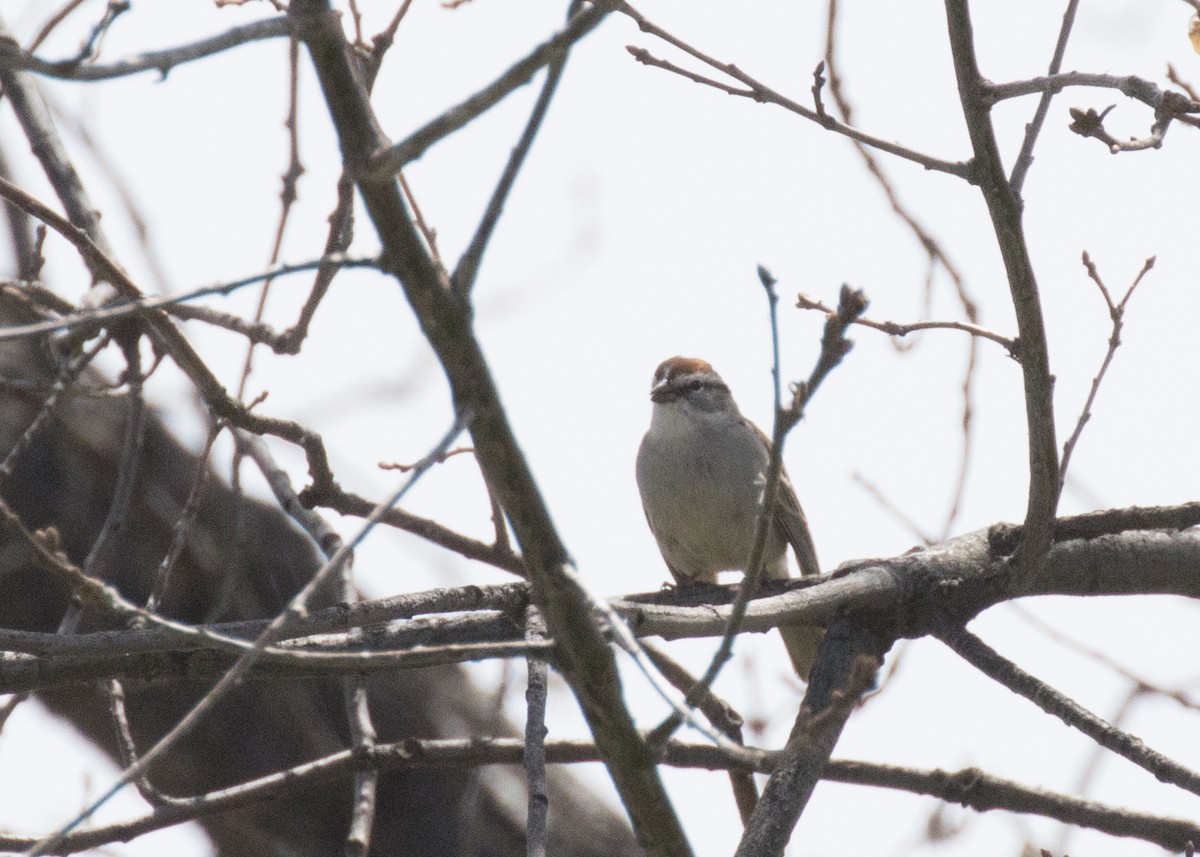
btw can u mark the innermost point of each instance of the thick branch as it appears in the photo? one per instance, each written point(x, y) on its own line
point(445, 318)
point(950, 582)
point(1004, 207)
point(845, 669)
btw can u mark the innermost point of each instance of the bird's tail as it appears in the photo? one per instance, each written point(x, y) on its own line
point(802, 642)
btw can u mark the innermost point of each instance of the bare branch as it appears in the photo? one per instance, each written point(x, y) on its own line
point(1034, 128)
point(719, 713)
point(392, 159)
point(535, 740)
point(287, 197)
point(126, 746)
point(970, 787)
point(1132, 86)
point(1116, 312)
point(759, 91)
point(836, 687)
point(892, 328)
point(95, 565)
point(1168, 105)
point(898, 514)
point(587, 663)
point(1139, 683)
point(990, 663)
point(92, 318)
point(937, 256)
point(13, 57)
point(67, 375)
point(467, 269)
point(499, 555)
point(275, 629)
point(1005, 211)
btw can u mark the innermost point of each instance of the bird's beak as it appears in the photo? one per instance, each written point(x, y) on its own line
point(662, 392)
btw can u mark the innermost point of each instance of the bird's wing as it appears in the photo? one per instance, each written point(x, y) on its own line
point(789, 519)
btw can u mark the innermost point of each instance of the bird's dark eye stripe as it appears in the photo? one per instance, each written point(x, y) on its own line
point(690, 384)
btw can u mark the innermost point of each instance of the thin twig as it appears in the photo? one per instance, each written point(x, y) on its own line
point(427, 231)
point(892, 328)
point(158, 587)
point(1129, 85)
point(684, 710)
point(91, 45)
point(287, 197)
point(970, 787)
point(758, 91)
point(1173, 74)
point(937, 256)
point(499, 555)
point(981, 656)
point(358, 713)
point(535, 740)
point(1116, 313)
point(295, 608)
point(181, 527)
point(363, 734)
point(1139, 682)
point(337, 242)
point(1034, 128)
point(366, 783)
point(1091, 767)
point(404, 468)
point(467, 269)
point(416, 144)
point(127, 747)
point(899, 514)
point(53, 22)
point(67, 375)
point(719, 713)
point(161, 61)
point(95, 563)
point(111, 312)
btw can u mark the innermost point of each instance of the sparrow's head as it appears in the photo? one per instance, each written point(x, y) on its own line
point(692, 381)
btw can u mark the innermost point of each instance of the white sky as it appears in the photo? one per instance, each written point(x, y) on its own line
point(633, 234)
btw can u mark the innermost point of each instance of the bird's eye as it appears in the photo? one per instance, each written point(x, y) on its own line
point(694, 385)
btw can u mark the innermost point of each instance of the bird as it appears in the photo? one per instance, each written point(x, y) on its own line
point(701, 473)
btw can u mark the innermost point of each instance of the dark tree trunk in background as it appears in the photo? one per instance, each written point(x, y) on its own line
point(243, 560)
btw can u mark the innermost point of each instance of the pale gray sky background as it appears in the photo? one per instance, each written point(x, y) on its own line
point(632, 235)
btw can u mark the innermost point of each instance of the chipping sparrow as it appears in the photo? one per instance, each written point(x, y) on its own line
point(701, 470)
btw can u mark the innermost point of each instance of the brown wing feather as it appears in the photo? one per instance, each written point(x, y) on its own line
point(801, 640)
point(789, 519)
